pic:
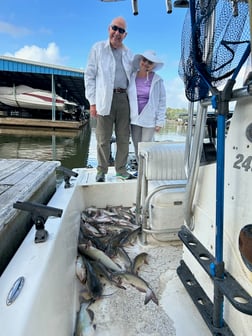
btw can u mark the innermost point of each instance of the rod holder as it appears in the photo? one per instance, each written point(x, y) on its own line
point(67, 173)
point(39, 213)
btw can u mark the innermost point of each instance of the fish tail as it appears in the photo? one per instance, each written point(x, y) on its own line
point(150, 295)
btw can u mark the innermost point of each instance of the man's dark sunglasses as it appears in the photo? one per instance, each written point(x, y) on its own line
point(115, 28)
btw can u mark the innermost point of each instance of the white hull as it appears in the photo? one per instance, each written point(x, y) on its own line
point(28, 98)
point(237, 214)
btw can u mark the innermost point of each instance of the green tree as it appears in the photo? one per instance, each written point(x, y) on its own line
point(173, 114)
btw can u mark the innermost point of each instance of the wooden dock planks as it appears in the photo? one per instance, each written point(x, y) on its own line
point(21, 180)
point(41, 123)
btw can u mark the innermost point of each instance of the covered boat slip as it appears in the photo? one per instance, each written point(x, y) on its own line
point(55, 78)
point(39, 84)
point(48, 301)
point(21, 180)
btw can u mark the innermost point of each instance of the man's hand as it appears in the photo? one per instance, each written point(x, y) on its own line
point(93, 111)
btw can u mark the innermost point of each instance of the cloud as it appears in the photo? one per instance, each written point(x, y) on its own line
point(14, 31)
point(175, 93)
point(50, 54)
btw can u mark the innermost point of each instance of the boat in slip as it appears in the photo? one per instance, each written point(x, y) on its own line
point(26, 97)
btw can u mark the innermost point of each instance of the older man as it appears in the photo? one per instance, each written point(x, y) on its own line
point(106, 80)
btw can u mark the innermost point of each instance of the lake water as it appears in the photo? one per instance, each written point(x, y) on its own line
point(73, 148)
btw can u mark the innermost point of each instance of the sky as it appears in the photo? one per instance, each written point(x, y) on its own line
point(62, 33)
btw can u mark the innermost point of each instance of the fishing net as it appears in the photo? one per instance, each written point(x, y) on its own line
point(215, 35)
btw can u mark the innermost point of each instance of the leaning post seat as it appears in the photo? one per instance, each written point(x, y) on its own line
point(161, 179)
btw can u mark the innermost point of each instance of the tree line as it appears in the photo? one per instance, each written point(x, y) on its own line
point(175, 114)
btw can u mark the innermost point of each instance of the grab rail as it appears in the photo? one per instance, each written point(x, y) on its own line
point(194, 146)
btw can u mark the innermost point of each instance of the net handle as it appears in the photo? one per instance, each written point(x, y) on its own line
point(250, 16)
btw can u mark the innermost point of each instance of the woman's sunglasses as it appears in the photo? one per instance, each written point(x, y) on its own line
point(146, 60)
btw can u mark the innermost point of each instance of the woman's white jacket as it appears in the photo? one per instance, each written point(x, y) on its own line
point(153, 114)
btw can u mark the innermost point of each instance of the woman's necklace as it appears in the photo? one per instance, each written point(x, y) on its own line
point(145, 75)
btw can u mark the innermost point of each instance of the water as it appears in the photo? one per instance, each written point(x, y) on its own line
point(73, 148)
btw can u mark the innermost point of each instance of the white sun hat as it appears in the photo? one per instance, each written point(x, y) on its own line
point(149, 55)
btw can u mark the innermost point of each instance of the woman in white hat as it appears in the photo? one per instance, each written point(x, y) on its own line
point(147, 98)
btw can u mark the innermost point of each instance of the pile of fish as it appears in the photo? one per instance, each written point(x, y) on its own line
point(105, 235)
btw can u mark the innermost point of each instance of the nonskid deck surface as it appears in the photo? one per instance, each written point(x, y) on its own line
point(123, 312)
point(88, 177)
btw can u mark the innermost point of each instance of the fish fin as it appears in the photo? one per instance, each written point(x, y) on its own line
point(85, 296)
point(118, 265)
point(136, 272)
point(119, 285)
point(91, 314)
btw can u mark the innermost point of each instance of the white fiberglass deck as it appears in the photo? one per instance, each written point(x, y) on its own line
point(48, 302)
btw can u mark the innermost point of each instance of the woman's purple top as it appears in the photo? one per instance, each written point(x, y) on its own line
point(143, 90)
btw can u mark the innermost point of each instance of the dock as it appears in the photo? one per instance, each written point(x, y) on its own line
point(21, 181)
point(41, 123)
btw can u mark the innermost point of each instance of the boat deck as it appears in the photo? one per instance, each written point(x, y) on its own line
point(50, 269)
point(21, 180)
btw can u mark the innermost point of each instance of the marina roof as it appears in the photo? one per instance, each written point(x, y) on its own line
point(69, 82)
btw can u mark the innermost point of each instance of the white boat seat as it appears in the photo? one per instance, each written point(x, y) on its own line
point(160, 167)
point(164, 161)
